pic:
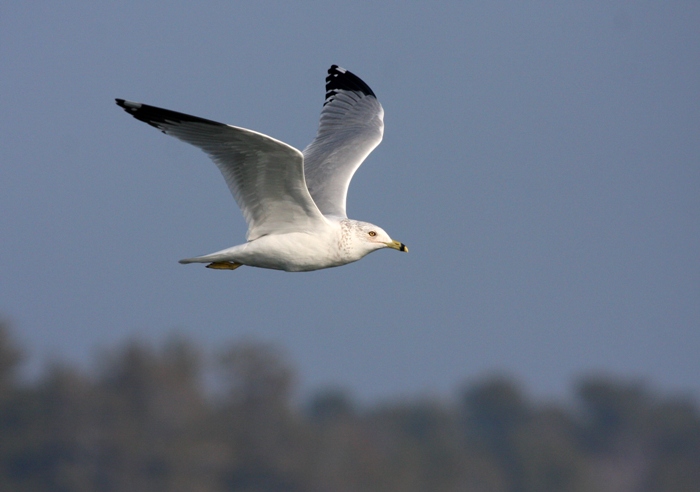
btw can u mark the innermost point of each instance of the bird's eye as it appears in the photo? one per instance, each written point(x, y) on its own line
point(372, 233)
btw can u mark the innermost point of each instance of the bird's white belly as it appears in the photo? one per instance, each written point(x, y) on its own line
point(293, 252)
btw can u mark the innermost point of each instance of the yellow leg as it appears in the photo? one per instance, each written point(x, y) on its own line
point(224, 265)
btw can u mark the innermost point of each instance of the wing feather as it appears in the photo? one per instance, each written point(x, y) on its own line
point(265, 176)
point(351, 126)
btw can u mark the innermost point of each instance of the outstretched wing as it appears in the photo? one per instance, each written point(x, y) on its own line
point(351, 127)
point(265, 176)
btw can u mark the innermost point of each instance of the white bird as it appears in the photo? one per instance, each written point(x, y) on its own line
point(293, 202)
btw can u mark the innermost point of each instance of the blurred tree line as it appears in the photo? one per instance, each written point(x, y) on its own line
point(161, 419)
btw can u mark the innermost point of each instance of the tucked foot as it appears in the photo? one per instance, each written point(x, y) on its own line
point(224, 265)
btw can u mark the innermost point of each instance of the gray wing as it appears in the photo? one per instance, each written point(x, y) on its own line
point(265, 176)
point(351, 127)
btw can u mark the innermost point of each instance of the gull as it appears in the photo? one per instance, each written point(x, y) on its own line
point(292, 201)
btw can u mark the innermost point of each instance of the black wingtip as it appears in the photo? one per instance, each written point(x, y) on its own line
point(128, 106)
point(340, 79)
point(159, 117)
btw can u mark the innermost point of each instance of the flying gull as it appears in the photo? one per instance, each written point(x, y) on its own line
point(293, 202)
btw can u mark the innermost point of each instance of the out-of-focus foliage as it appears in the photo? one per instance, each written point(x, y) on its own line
point(174, 419)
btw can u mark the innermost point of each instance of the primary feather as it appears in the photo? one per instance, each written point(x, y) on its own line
point(351, 126)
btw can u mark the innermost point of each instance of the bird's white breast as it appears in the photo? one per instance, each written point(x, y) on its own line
point(295, 251)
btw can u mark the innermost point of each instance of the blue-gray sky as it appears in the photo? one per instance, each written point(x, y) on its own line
point(540, 159)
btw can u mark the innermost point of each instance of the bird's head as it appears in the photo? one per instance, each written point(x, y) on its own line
point(368, 237)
